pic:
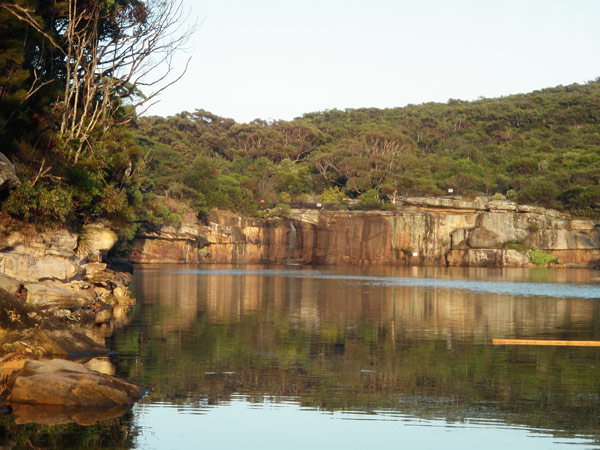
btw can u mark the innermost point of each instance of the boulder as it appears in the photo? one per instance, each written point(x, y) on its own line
point(503, 223)
point(458, 238)
point(59, 242)
point(93, 268)
point(8, 174)
point(483, 238)
point(61, 382)
point(512, 258)
point(58, 296)
point(9, 284)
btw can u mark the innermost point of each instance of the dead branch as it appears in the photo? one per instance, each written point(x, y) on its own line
point(104, 72)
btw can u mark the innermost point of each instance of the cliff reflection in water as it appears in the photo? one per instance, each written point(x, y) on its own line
point(412, 311)
point(354, 340)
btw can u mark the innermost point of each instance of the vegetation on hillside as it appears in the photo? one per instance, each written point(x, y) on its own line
point(538, 148)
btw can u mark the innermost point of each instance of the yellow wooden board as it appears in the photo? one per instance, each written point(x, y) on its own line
point(546, 342)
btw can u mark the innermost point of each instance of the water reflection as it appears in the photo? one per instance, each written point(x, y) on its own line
point(418, 307)
point(388, 342)
point(347, 358)
point(60, 414)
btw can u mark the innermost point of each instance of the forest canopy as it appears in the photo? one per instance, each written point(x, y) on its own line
point(539, 148)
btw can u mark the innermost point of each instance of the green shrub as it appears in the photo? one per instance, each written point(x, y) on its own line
point(541, 258)
point(333, 195)
point(285, 198)
point(511, 195)
point(113, 201)
point(281, 210)
point(40, 204)
point(127, 233)
point(369, 200)
point(498, 196)
point(86, 187)
point(533, 228)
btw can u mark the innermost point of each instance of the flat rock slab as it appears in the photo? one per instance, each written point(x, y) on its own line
point(67, 383)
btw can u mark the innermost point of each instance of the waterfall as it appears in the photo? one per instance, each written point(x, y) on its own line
point(292, 241)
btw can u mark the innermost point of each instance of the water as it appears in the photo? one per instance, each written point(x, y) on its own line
point(353, 358)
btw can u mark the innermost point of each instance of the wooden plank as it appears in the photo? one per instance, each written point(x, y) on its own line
point(546, 342)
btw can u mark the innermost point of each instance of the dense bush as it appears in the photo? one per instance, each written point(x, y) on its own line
point(531, 147)
point(369, 200)
point(539, 148)
point(40, 204)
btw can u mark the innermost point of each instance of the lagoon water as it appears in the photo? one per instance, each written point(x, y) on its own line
point(354, 358)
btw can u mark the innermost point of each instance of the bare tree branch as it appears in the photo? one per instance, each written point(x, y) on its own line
point(106, 71)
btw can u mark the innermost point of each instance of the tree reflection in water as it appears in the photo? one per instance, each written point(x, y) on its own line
point(337, 344)
point(340, 344)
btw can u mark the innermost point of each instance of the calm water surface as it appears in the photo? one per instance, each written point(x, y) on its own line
point(352, 358)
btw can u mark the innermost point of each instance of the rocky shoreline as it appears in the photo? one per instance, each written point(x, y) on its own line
point(56, 287)
point(59, 270)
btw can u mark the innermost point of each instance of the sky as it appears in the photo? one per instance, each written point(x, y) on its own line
point(279, 59)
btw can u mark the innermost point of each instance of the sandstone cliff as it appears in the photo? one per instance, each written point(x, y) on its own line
point(423, 231)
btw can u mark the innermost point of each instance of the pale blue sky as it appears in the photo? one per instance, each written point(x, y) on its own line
point(274, 59)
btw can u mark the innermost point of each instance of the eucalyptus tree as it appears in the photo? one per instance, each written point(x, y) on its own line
point(108, 59)
point(74, 75)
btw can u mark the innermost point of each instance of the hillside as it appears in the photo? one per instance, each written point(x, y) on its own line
point(539, 148)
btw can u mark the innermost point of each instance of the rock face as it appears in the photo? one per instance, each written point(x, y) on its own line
point(171, 245)
point(483, 238)
point(60, 382)
point(8, 174)
point(60, 270)
point(425, 231)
